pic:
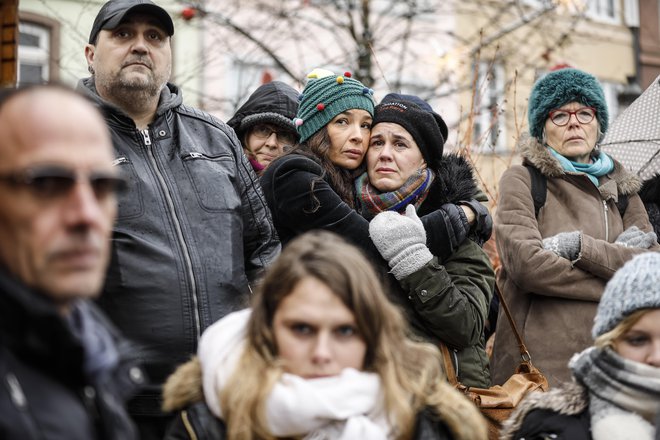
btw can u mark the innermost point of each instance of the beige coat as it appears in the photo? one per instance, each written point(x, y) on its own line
point(554, 301)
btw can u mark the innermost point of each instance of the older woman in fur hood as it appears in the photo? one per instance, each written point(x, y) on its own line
point(616, 392)
point(555, 264)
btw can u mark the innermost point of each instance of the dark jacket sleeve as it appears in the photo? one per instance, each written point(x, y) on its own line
point(260, 242)
point(452, 299)
point(301, 200)
point(541, 424)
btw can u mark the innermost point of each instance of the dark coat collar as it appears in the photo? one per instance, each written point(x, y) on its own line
point(32, 328)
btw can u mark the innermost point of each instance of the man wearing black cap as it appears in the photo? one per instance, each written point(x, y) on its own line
point(192, 229)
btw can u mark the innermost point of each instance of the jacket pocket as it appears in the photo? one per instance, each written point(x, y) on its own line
point(129, 202)
point(213, 178)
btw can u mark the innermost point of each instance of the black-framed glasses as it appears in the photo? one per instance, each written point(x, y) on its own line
point(584, 115)
point(52, 181)
point(264, 131)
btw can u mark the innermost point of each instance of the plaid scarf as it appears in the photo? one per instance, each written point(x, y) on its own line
point(370, 201)
point(619, 389)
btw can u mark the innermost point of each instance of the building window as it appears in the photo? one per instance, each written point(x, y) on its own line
point(611, 91)
point(34, 42)
point(603, 10)
point(489, 123)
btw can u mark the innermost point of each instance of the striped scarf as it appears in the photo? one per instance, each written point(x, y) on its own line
point(370, 201)
point(624, 396)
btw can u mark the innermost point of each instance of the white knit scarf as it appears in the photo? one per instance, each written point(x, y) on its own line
point(624, 396)
point(342, 407)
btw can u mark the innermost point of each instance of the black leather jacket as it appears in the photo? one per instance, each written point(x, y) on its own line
point(44, 391)
point(192, 229)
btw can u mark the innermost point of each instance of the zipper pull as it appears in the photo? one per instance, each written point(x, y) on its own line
point(605, 205)
point(16, 392)
point(118, 161)
point(145, 135)
point(195, 155)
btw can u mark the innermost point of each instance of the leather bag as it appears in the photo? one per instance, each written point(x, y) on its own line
point(497, 402)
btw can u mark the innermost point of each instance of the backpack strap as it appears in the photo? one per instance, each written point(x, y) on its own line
point(539, 187)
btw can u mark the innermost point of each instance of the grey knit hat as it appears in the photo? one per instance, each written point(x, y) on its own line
point(559, 88)
point(633, 287)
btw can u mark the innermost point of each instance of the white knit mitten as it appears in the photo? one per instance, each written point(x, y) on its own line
point(401, 240)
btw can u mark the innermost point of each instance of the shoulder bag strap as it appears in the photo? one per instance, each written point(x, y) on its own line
point(524, 353)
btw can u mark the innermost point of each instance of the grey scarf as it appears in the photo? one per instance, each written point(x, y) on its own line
point(624, 396)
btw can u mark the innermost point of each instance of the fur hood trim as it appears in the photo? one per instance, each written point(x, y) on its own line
point(454, 182)
point(569, 399)
point(183, 387)
point(534, 153)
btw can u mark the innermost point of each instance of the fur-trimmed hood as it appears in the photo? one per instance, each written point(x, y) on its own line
point(569, 399)
point(535, 153)
point(454, 182)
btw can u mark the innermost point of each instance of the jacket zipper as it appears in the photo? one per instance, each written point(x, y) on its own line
point(607, 226)
point(179, 232)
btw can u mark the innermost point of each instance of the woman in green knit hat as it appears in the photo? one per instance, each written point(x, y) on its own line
point(311, 187)
point(558, 255)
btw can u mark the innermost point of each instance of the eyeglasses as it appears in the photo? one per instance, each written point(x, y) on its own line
point(263, 131)
point(48, 182)
point(584, 115)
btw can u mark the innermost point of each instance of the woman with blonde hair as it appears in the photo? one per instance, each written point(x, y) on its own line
point(616, 390)
point(321, 354)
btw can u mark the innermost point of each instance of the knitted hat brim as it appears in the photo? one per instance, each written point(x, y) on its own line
point(562, 87)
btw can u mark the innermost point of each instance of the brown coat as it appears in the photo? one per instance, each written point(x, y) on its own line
point(554, 301)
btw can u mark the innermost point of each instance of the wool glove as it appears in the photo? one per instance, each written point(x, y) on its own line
point(401, 240)
point(635, 237)
point(565, 244)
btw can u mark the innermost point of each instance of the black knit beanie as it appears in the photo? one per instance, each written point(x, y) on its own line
point(426, 127)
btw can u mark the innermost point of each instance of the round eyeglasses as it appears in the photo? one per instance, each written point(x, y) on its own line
point(584, 115)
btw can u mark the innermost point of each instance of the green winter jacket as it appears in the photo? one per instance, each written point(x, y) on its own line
point(450, 303)
point(447, 300)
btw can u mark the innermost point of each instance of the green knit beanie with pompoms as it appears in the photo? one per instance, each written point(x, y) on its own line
point(325, 96)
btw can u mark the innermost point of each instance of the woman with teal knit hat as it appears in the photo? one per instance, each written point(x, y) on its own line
point(559, 251)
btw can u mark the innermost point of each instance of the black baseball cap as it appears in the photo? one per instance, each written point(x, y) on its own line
point(114, 11)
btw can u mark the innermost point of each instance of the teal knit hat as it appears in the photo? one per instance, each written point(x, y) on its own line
point(561, 87)
point(325, 96)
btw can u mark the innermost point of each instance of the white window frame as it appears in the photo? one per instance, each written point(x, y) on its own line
point(611, 91)
point(35, 55)
point(489, 96)
point(597, 10)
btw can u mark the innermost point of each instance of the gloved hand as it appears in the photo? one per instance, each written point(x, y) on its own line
point(483, 224)
point(635, 237)
point(401, 240)
point(565, 244)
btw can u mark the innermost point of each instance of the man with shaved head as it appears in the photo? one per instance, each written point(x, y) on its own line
point(64, 370)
